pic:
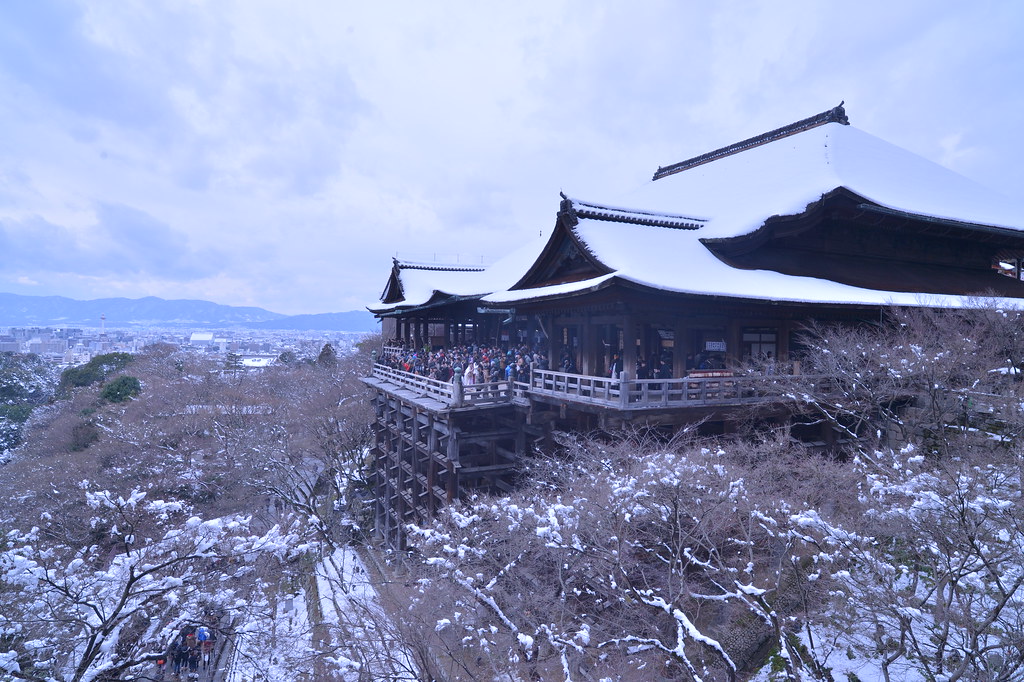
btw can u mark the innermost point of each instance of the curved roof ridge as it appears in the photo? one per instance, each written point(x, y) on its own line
point(439, 267)
point(587, 209)
point(833, 115)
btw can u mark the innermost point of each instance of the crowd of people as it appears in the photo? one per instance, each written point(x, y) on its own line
point(479, 364)
point(190, 648)
point(482, 364)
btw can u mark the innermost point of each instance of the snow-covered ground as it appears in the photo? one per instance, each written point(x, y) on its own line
point(341, 632)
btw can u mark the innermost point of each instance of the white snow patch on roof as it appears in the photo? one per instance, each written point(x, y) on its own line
point(420, 285)
point(739, 192)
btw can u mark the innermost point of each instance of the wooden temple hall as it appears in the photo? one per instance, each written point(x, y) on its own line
point(642, 308)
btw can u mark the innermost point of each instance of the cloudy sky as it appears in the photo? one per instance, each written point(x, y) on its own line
point(279, 153)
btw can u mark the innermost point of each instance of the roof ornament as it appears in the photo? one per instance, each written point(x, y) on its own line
point(838, 114)
point(833, 115)
point(567, 210)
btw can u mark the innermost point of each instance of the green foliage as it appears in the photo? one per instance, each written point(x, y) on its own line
point(327, 357)
point(121, 389)
point(15, 413)
point(288, 357)
point(94, 371)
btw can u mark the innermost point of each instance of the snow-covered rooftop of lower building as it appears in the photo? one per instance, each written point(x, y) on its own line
point(421, 282)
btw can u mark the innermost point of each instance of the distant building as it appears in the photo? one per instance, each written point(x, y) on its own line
point(48, 346)
point(201, 339)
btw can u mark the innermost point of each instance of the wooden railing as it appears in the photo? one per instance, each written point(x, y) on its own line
point(453, 393)
point(643, 394)
point(486, 393)
point(424, 386)
point(654, 393)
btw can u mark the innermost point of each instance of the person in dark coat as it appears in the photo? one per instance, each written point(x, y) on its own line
point(179, 655)
point(194, 657)
point(616, 368)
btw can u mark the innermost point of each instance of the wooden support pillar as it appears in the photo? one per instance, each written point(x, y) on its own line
point(431, 464)
point(782, 341)
point(681, 348)
point(734, 343)
point(588, 347)
point(552, 340)
point(628, 345)
point(650, 347)
point(452, 489)
point(415, 457)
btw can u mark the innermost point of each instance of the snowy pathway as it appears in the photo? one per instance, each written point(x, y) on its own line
point(359, 628)
point(343, 635)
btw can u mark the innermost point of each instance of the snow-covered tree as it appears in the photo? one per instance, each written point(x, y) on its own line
point(621, 561)
point(927, 568)
point(929, 581)
point(108, 608)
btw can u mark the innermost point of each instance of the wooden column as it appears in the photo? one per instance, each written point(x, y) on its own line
point(588, 341)
point(628, 345)
point(782, 341)
point(734, 342)
point(680, 348)
point(551, 343)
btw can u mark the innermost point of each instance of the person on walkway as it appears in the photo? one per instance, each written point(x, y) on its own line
point(179, 655)
point(205, 639)
point(193, 662)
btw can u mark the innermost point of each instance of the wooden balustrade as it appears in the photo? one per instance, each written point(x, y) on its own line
point(425, 386)
point(613, 393)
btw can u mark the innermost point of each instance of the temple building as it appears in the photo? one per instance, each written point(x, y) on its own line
point(647, 310)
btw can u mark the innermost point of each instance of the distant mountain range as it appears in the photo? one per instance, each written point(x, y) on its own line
point(57, 311)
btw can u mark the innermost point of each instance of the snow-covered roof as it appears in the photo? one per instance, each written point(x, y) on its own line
point(419, 281)
point(422, 282)
point(661, 266)
point(739, 191)
point(729, 193)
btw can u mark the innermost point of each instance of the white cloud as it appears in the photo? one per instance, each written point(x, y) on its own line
point(278, 154)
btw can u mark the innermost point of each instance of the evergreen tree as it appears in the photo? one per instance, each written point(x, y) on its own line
point(327, 357)
point(121, 389)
